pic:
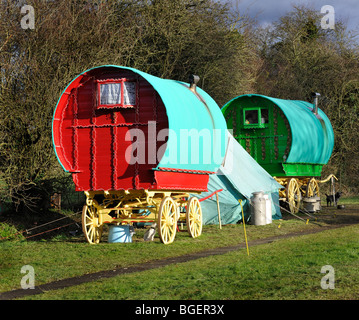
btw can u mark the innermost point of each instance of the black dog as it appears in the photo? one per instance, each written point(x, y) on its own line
point(330, 198)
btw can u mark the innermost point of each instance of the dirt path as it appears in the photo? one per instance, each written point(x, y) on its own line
point(69, 282)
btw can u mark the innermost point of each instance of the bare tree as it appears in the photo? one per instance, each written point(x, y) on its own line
point(169, 39)
point(299, 57)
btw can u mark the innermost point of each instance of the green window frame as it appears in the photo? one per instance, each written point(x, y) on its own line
point(255, 117)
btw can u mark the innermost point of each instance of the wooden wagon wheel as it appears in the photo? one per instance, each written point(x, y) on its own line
point(293, 195)
point(167, 220)
point(312, 188)
point(194, 217)
point(90, 224)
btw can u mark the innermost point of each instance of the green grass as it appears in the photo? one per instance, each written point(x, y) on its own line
point(343, 200)
point(348, 200)
point(8, 231)
point(285, 269)
point(63, 258)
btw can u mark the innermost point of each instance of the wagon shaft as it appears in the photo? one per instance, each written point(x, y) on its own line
point(328, 178)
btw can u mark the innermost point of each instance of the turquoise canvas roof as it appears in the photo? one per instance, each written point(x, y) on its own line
point(189, 116)
point(312, 135)
point(190, 119)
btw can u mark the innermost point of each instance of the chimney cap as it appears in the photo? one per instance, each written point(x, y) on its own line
point(193, 79)
point(315, 96)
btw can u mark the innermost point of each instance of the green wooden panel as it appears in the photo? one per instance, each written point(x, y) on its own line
point(268, 143)
point(302, 169)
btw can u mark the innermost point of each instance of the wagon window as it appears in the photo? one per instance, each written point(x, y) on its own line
point(255, 117)
point(116, 93)
point(110, 93)
point(129, 93)
point(251, 117)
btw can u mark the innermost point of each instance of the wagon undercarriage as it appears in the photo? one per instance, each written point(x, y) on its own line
point(166, 208)
point(296, 188)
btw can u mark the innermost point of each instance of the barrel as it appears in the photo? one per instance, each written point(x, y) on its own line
point(119, 233)
point(311, 204)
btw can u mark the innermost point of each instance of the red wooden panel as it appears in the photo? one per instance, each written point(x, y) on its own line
point(83, 150)
point(91, 142)
point(124, 175)
point(181, 181)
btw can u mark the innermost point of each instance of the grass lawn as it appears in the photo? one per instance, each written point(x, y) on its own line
point(285, 269)
point(61, 258)
point(282, 270)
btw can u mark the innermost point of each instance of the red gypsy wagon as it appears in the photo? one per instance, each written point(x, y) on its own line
point(138, 145)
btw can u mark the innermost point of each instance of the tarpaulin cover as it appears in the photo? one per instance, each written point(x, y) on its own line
point(239, 176)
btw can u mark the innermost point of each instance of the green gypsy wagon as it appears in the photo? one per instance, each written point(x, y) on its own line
point(290, 139)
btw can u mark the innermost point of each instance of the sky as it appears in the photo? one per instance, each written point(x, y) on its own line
point(268, 11)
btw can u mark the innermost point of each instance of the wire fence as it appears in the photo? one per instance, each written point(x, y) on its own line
point(27, 233)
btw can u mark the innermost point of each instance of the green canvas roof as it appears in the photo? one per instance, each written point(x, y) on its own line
point(312, 135)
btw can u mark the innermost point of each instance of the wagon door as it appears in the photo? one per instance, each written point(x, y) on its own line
point(256, 133)
point(265, 136)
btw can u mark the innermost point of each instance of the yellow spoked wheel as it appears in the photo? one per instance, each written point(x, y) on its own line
point(167, 220)
point(194, 217)
point(293, 195)
point(90, 224)
point(312, 188)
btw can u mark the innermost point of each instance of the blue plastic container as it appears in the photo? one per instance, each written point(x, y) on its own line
point(119, 234)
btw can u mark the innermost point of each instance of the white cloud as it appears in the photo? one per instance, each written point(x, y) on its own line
point(267, 11)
